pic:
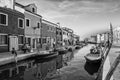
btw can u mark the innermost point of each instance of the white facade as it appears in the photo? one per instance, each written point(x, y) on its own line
point(116, 35)
point(22, 10)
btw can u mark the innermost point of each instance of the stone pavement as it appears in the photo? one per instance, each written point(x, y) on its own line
point(114, 52)
point(8, 57)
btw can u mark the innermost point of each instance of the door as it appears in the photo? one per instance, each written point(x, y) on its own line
point(52, 40)
point(34, 43)
point(13, 42)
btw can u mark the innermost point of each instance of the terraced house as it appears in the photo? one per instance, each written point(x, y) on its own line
point(48, 34)
point(67, 36)
point(32, 25)
point(58, 37)
point(11, 26)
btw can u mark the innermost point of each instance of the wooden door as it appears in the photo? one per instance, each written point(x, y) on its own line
point(13, 42)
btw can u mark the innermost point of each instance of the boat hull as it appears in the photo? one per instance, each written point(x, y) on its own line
point(62, 52)
point(93, 58)
point(47, 56)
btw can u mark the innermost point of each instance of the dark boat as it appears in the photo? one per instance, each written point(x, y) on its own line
point(93, 58)
point(46, 55)
point(78, 47)
point(61, 50)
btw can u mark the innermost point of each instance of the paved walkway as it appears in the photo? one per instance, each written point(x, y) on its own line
point(114, 52)
point(106, 68)
point(8, 57)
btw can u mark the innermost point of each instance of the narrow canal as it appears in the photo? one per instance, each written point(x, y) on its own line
point(70, 66)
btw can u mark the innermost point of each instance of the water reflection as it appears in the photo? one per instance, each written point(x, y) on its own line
point(92, 68)
point(33, 69)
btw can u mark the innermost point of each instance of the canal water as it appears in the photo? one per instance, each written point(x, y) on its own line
point(70, 66)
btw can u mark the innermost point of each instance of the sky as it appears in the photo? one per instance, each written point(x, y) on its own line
point(83, 16)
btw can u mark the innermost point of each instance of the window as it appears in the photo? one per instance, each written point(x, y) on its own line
point(48, 27)
point(57, 33)
point(27, 22)
point(28, 41)
point(20, 23)
point(3, 39)
point(20, 39)
point(38, 25)
point(33, 9)
point(44, 40)
point(48, 40)
point(60, 33)
point(3, 19)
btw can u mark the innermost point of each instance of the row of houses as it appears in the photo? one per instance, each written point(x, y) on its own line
point(20, 24)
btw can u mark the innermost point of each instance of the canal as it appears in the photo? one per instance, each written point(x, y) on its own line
point(70, 66)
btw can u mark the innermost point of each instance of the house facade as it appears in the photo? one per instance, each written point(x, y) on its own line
point(11, 29)
point(32, 26)
point(58, 37)
point(67, 36)
point(32, 30)
point(48, 34)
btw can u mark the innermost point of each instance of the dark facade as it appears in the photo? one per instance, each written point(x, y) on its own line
point(9, 27)
point(58, 37)
point(48, 33)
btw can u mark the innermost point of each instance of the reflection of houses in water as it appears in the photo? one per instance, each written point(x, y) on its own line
point(27, 70)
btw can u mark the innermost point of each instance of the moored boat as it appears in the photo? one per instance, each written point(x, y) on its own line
point(78, 47)
point(61, 50)
point(93, 58)
point(46, 55)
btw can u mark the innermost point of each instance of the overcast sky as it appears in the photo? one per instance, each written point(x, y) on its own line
point(83, 16)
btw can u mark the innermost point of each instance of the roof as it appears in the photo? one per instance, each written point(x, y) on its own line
point(22, 6)
point(51, 23)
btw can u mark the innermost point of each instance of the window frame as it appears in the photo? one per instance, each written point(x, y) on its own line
point(23, 23)
point(39, 24)
point(29, 22)
point(44, 38)
point(7, 40)
point(33, 9)
point(23, 39)
point(6, 19)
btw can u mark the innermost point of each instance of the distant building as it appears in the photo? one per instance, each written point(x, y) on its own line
point(48, 34)
point(58, 37)
point(116, 36)
point(76, 39)
point(67, 36)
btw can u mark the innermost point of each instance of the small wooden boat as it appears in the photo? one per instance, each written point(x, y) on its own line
point(93, 58)
point(78, 47)
point(46, 55)
point(62, 50)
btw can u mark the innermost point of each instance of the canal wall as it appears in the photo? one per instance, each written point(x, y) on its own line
point(7, 58)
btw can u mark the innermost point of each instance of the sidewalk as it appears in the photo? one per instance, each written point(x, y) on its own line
point(8, 57)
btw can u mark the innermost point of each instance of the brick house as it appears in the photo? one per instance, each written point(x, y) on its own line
point(67, 36)
point(11, 29)
point(58, 37)
point(32, 25)
point(48, 34)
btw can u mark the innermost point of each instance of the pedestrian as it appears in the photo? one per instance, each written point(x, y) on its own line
point(15, 54)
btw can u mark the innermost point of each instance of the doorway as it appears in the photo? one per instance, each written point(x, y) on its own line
point(13, 42)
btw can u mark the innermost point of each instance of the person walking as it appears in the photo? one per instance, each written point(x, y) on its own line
point(15, 54)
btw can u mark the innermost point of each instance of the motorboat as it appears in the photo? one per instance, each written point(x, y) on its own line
point(61, 50)
point(46, 55)
point(93, 58)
